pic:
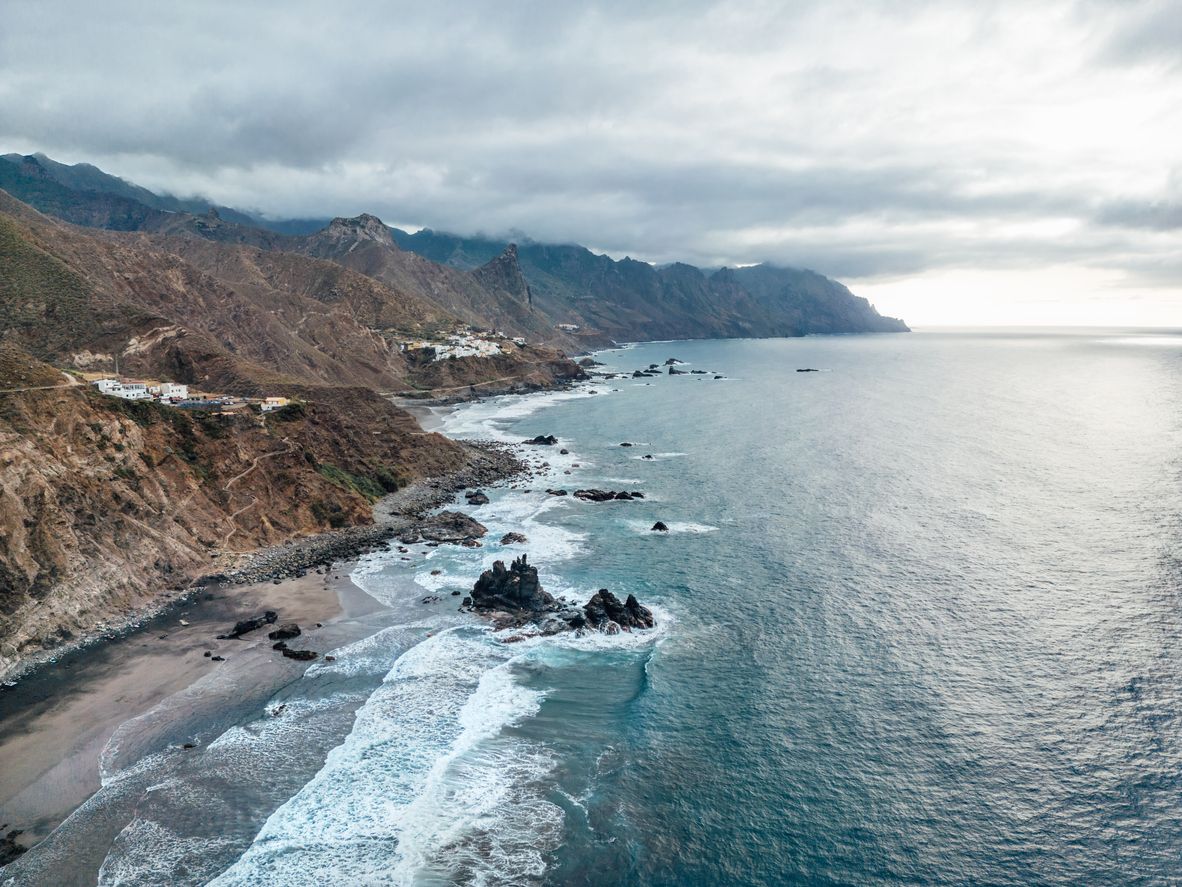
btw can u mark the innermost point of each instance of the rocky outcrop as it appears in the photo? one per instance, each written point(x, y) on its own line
point(285, 632)
point(513, 539)
point(515, 588)
point(300, 655)
point(542, 440)
point(513, 596)
point(245, 626)
point(594, 495)
point(451, 526)
point(476, 497)
point(660, 527)
point(604, 611)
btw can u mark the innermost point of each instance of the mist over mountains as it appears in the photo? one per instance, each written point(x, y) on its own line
point(535, 288)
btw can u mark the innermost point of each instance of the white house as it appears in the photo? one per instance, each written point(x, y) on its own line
point(106, 386)
point(132, 391)
point(170, 390)
point(126, 390)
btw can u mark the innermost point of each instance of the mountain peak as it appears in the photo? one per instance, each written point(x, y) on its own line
point(363, 227)
point(504, 274)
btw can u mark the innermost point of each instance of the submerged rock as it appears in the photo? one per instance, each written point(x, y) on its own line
point(513, 538)
point(9, 848)
point(476, 498)
point(607, 495)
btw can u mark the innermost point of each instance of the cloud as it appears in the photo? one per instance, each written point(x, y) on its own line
point(867, 140)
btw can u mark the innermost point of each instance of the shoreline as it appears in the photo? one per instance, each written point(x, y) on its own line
point(392, 514)
point(57, 723)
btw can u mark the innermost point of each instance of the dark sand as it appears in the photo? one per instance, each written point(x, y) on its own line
point(55, 723)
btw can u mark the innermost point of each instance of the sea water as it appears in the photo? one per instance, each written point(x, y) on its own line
point(919, 620)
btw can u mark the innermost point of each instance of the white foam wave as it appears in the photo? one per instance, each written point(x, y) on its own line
point(548, 543)
point(489, 418)
point(424, 766)
point(660, 456)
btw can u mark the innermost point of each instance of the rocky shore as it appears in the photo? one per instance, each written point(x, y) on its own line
point(393, 515)
point(513, 597)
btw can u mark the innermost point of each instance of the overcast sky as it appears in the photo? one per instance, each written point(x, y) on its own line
point(955, 162)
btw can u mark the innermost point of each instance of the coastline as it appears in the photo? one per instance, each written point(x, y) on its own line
point(292, 559)
point(57, 724)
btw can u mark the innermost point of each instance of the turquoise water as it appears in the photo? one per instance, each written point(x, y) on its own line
point(918, 623)
point(926, 631)
point(920, 620)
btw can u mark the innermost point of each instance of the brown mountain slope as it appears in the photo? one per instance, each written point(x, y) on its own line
point(226, 316)
point(106, 503)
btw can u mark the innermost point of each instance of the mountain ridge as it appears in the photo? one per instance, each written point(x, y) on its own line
point(608, 300)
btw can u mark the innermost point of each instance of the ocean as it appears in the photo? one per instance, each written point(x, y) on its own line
point(919, 622)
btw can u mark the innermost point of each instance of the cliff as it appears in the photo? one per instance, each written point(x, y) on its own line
point(105, 504)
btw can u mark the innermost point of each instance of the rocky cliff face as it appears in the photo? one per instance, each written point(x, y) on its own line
point(631, 300)
point(106, 504)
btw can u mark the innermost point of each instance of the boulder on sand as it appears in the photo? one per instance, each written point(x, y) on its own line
point(244, 626)
point(300, 655)
point(285, 632)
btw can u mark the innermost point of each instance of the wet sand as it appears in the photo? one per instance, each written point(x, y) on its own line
point(55, 723)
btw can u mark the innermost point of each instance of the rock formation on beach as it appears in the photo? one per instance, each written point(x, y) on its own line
point(513, 596)
point(245, 626)
point(513, 588)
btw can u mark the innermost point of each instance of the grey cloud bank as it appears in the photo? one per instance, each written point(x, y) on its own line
point(872, 142)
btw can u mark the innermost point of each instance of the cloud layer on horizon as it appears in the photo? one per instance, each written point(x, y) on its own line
point(869, 141)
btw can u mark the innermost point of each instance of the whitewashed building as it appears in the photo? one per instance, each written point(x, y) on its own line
point(125, 390)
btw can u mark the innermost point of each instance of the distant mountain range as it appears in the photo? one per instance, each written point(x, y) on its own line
point(528, 289)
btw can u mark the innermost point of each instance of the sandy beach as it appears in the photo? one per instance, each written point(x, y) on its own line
point(55, 723)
